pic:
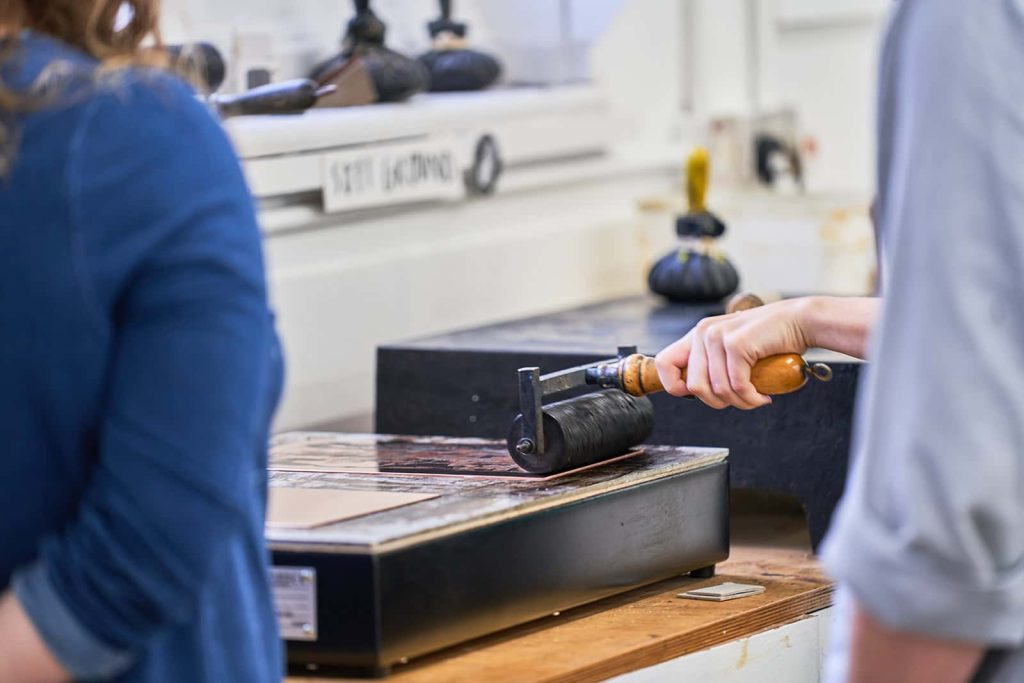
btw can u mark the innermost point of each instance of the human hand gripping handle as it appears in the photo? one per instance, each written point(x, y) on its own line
point(742, 358)
point(783, 373)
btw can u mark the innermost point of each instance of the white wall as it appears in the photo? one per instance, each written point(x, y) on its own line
point(639, 62)
point(824, 65)
point(721, 52)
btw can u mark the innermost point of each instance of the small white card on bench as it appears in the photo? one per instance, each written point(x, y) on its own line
point(724, 591)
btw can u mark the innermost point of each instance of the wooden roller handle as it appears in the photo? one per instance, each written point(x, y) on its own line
point(773, 376)
point(744, 301)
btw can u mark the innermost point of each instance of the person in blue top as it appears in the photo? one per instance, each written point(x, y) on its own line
point(139, 361)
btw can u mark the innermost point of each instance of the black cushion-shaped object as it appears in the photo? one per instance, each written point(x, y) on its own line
point(454, 70)
point(446, 25)
point(688, 276)
point(700, 224)
point(395, 76)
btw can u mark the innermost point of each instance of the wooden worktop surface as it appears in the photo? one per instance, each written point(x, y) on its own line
point(638, 629)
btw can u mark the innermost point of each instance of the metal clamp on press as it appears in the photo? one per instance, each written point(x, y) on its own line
point(605, 424)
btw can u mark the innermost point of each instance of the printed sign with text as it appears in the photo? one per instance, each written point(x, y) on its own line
point(382, 175)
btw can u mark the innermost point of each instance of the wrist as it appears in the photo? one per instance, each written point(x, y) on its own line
point(809, 314)
point(23, 655)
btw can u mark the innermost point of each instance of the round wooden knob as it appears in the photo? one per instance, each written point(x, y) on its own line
point(743, 301)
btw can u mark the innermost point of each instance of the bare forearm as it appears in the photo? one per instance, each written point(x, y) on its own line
point(23, 655)
point(842, 324)
point(881, 655)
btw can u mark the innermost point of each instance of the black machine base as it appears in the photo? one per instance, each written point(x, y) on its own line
point(487, 554)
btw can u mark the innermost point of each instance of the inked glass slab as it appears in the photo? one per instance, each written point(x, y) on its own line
point(429, 456)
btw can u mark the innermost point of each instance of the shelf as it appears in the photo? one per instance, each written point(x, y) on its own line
point(283, 155)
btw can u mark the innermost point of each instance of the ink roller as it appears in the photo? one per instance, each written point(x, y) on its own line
point(604, 424)
point(204, 65)
point(287, 97)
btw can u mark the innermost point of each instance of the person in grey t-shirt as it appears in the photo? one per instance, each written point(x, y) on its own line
point(928, 543)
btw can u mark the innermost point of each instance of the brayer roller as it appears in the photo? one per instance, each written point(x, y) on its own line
point(586, 429)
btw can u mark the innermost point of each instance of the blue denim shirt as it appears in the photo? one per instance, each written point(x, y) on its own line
point(141, 370)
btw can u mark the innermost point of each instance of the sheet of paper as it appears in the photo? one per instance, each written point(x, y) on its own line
point(298, 508)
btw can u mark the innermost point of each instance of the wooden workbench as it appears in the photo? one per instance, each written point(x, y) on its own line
point(645, 627)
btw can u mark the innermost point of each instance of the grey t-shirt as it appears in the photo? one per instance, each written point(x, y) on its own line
point(930, 535)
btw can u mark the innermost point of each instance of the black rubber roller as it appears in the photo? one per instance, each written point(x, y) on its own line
point(585, 430)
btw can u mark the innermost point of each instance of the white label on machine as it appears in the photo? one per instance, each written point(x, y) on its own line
point(295, 601)
point(381, 175)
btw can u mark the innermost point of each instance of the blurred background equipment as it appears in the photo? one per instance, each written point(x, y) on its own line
point(204, 66)
point(452, 65)
point(288, 97)
point(201, 62)
point(778, 160)
point(253, 61)
point(698, 271)
point(395, 77)
point(353, 86)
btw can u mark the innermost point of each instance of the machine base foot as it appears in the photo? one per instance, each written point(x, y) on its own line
point(703, 573)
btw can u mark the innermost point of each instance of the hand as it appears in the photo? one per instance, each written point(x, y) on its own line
point(719, 353)
point(879, 654)
point(24, 656)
